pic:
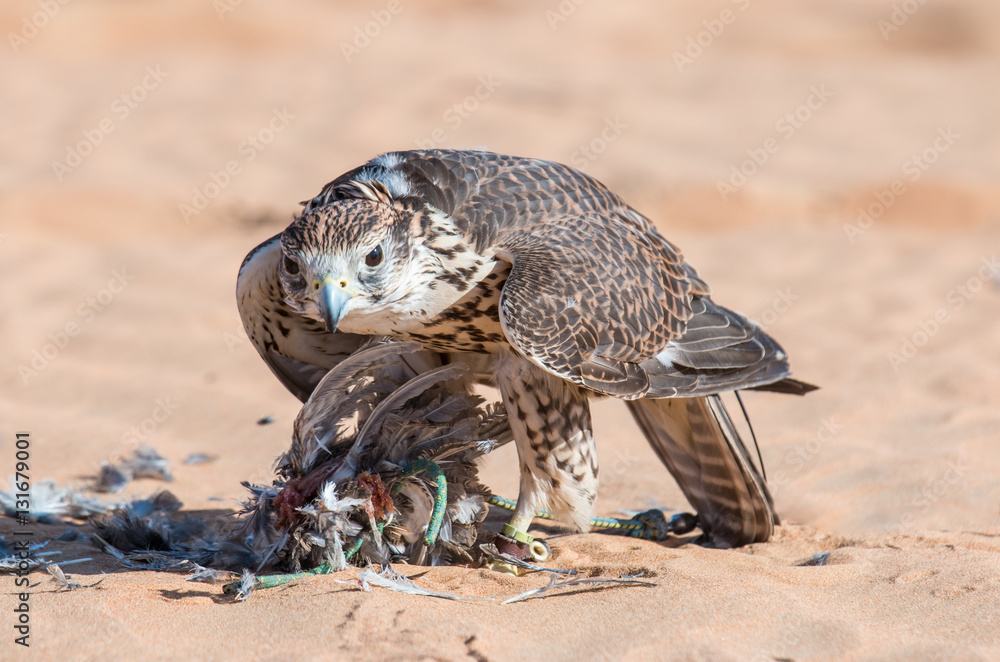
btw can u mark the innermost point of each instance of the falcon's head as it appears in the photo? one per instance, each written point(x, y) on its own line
point(351, 255)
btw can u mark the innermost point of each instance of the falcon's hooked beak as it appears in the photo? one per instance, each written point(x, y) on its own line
point(332, 296)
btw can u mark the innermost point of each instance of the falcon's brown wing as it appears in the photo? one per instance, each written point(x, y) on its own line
point(591, 299)
point(598, 302)
point(720, 350)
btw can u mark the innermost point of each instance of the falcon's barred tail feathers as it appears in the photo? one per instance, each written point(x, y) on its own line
point(696, 440)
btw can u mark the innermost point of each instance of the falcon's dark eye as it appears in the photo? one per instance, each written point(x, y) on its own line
point(374, 258)
point(291, 266)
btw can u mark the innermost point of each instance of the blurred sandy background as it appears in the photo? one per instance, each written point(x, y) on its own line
point(831, 168)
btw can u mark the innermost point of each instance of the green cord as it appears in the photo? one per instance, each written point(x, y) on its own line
point(510, 504)
point(353, 549)
point(635, 527)
point(272, 581)
point(440, 499)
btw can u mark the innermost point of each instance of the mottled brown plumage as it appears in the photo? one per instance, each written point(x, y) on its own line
point(563, 287)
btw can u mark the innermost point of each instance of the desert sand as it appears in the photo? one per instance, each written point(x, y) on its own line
point(830, 168)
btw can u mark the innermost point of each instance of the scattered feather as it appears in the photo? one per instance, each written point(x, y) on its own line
point(11, 564)
point(200, 458)
point(107, 547)
point(557, 584)
point(147, 463)
point(144, 463)
point(208, 575)
point(822, 558)
point(162, 502)
point(392, 580)
point(151, 561)
point(72, 535)
point(73, 561)
point(9, 555)
point(60, 578)
point(247, 584)
point(491, 551)
point(468, 510)
point(111, 479)
point(338, 505)
point(48, 502)
point(265, 420)
point(128, 532)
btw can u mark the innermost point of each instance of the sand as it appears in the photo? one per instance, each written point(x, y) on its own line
point(148, 146)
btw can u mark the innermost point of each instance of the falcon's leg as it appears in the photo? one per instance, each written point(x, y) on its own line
point(550, 419)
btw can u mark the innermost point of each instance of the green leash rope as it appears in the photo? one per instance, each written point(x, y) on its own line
point(272, 581)
point(440, 498)
point(649, 525)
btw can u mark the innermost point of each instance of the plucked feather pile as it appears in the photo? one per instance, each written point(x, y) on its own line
point(357, 484)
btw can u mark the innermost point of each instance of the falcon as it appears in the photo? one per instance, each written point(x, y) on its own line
point(553, 290)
